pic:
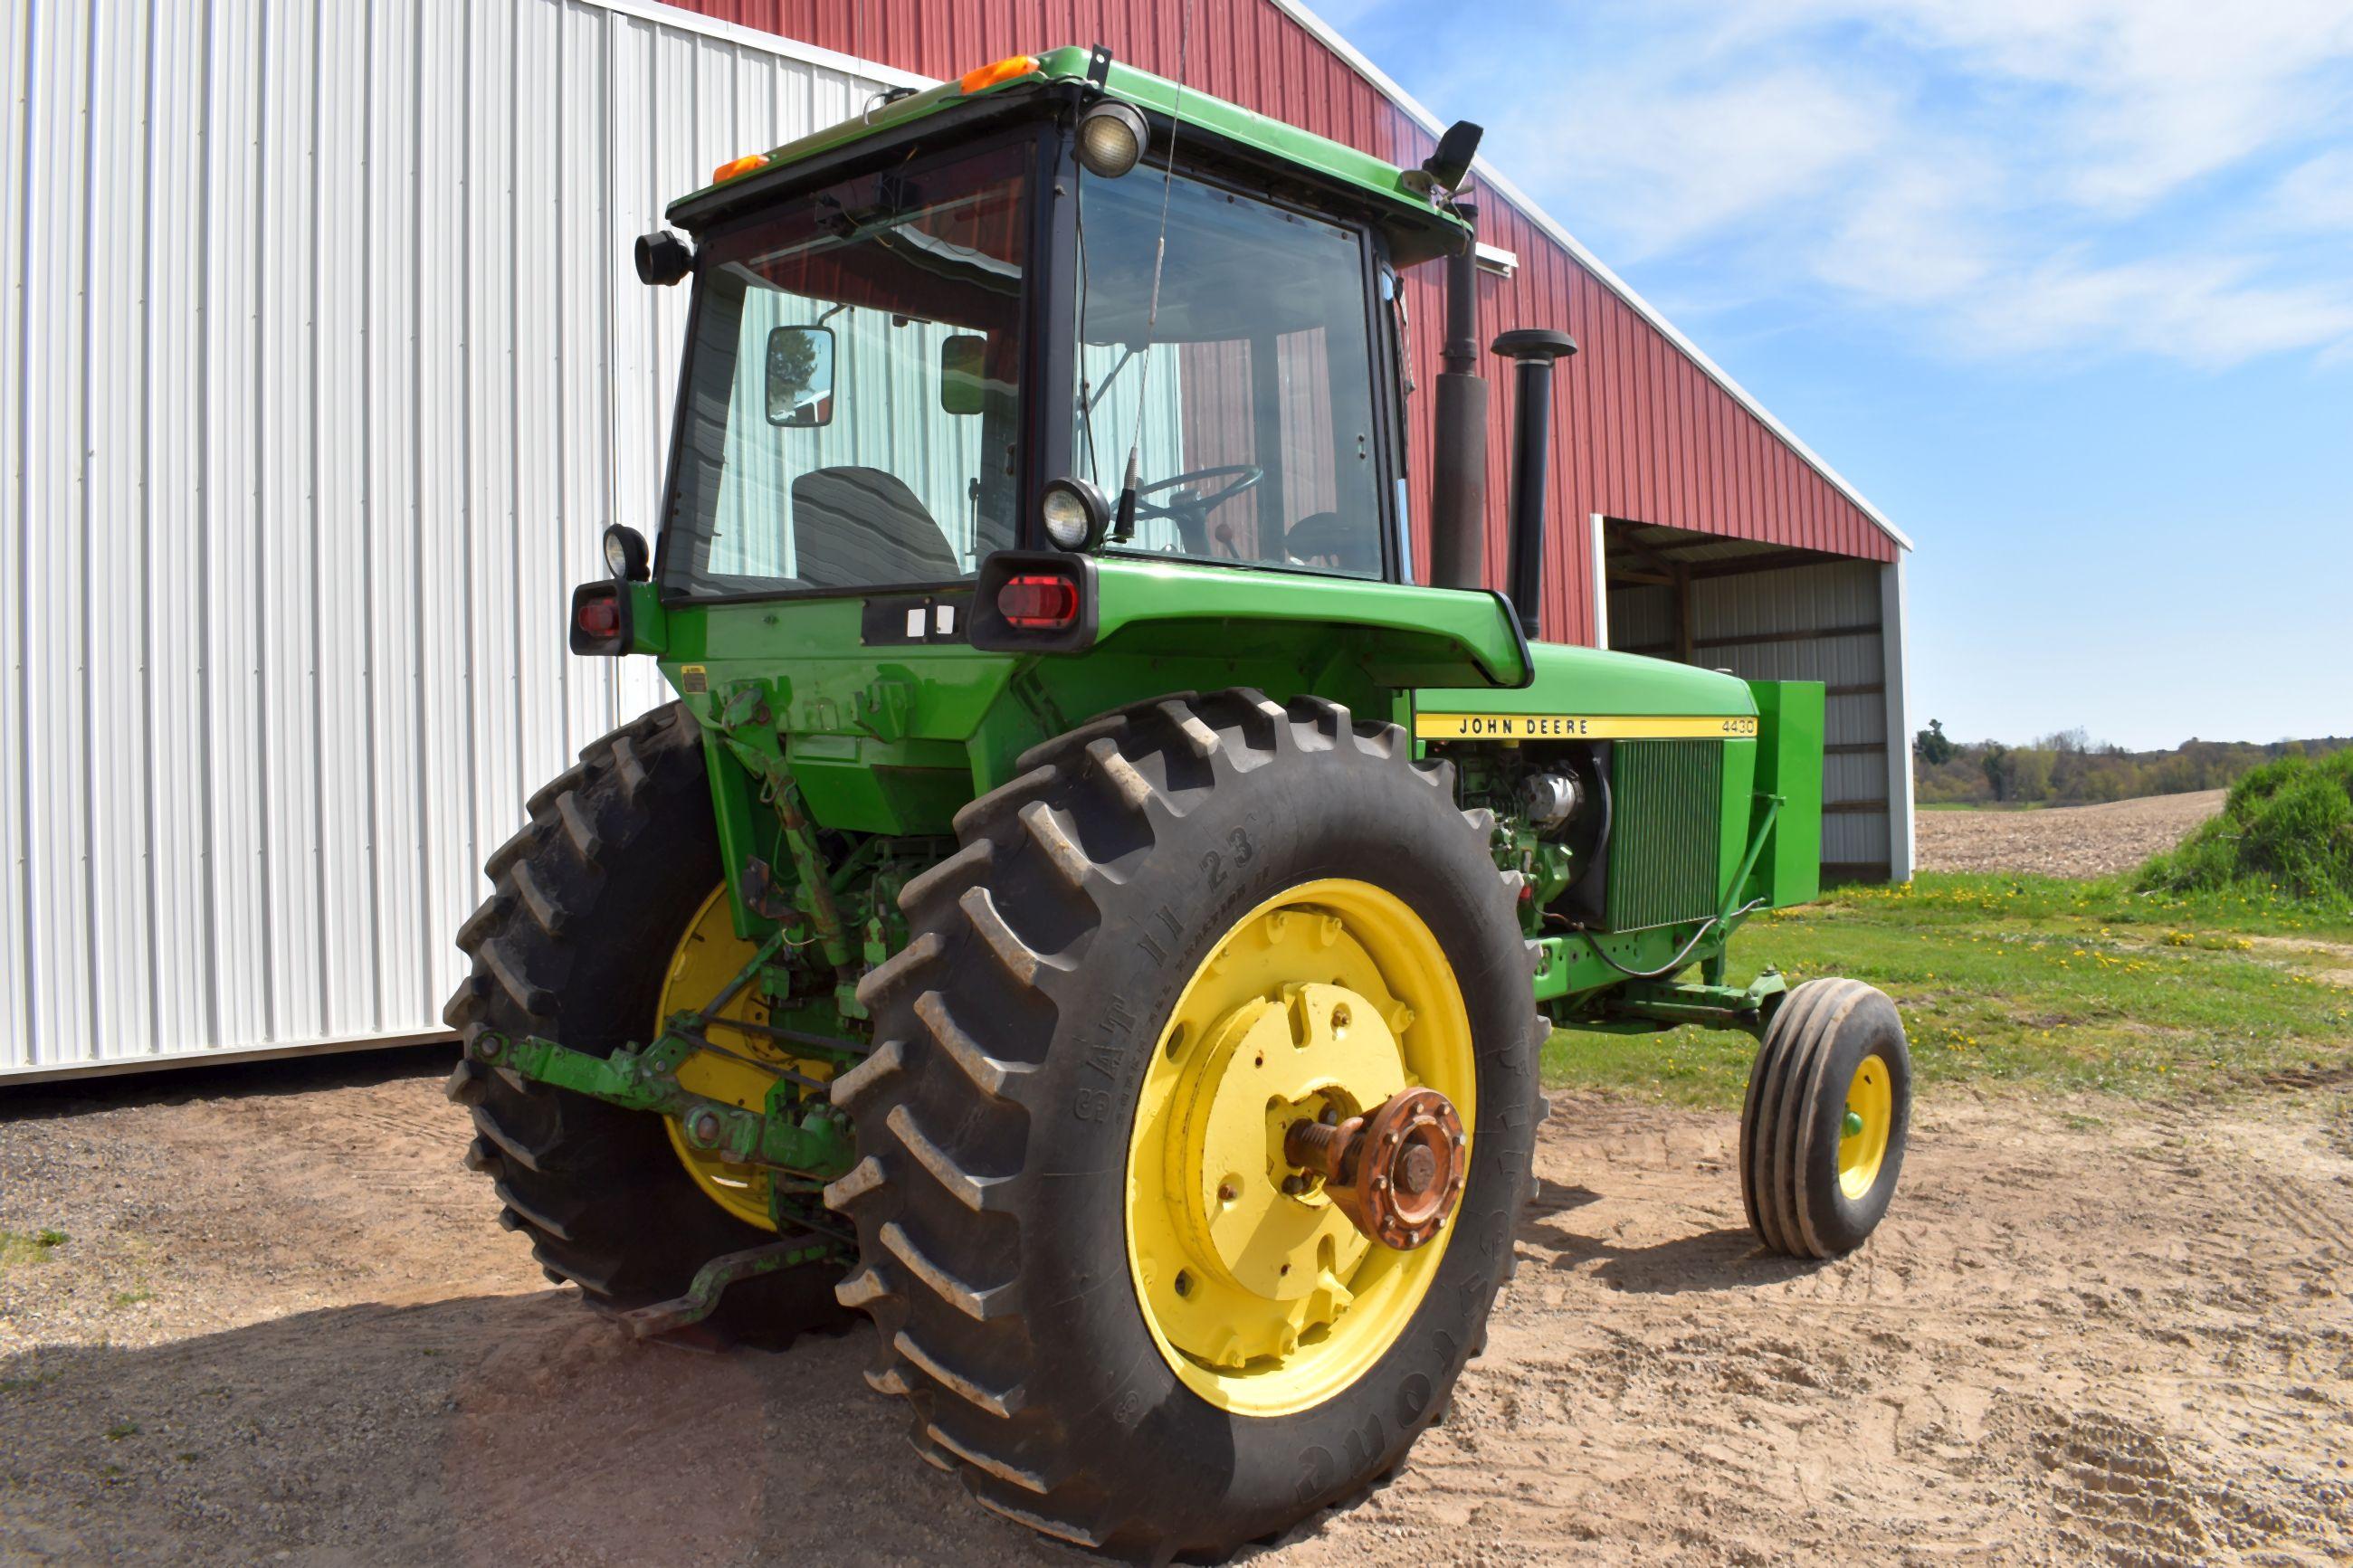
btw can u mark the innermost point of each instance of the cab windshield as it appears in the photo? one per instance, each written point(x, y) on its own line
point(1252, 411)
point(851, 413)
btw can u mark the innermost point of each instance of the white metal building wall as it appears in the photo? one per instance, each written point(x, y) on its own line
point(324, 368)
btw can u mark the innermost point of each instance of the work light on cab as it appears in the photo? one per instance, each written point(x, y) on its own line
point(625, 555)
point(1075, 514)
point(1111, 139)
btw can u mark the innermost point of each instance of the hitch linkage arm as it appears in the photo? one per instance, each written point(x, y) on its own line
point(807, 1139)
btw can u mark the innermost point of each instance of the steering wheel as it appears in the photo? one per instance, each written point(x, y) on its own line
point(1189, 509)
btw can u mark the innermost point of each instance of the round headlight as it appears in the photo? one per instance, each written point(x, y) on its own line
point(625, 553)
point(1074, 514)
point(1111, 139)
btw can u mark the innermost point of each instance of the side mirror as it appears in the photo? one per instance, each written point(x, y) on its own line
point(964, 379)
point(800, 377)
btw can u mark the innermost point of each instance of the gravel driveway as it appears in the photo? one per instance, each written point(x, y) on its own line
point(280, 1325)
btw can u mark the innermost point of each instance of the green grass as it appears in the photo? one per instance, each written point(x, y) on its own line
point(2035, 980)
point(21, 1247)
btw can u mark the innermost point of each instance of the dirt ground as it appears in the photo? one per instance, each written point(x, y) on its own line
point(281, 1327)
point(2062, 841)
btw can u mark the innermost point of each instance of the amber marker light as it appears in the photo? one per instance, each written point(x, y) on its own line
point(734, 166)
point(989, 76)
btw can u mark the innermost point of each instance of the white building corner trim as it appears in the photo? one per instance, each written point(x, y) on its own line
point(1596, 543)
point(1901, 805)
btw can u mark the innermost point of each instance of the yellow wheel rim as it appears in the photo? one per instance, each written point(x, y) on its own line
point(707, 957)
point(1863, 1136)
point(1333, 996)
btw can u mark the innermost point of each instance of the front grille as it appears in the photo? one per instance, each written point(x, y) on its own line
point(1666, 827)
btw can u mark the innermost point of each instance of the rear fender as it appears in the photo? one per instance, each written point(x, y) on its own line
point(1400, 636)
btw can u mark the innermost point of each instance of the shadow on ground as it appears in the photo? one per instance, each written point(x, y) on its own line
point(271, 1077)
point(1720, 1259)
point(508, 1430)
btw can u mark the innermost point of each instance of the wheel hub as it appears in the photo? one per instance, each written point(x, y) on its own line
point(1397, 1173)
point(1863, 1130)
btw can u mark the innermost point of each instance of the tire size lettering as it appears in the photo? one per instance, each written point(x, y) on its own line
point(1213, 863)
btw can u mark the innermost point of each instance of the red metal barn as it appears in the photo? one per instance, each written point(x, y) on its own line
point(326, 312)
point(1686, 521)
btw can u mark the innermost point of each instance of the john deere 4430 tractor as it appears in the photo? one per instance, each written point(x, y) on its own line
point(1088, 909)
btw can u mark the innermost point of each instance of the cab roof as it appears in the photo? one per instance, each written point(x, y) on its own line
point(1398, 198)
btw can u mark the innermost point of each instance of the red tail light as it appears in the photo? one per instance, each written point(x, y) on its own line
point(598, 618)
point(1039, 604)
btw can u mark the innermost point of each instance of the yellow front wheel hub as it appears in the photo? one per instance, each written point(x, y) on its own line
point(707, 957)
point(1864, 1132)
point(1318, 1006)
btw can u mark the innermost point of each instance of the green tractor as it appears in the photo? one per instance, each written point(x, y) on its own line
point(1088, 910)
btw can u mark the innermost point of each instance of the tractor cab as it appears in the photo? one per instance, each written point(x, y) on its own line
point(1057, 307)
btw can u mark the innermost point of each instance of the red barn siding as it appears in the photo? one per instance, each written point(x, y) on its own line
point(1640, 431)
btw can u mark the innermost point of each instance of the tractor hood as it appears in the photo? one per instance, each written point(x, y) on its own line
point(1584, 693)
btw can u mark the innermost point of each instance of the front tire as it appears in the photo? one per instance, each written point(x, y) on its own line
point(1828, 1111)
point(999, 1119)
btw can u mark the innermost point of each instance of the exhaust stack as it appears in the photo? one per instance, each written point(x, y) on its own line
point(1536, 349)
point(1457, 479)
point(1458, 501)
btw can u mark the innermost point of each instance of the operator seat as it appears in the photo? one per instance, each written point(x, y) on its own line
point(1326, 539)
point(854, 526)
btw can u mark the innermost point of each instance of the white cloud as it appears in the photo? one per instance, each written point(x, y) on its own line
point(2206, 311)
point(2317, 195)
point(1729, 153)
point(2017, 176)
point(2155, 93)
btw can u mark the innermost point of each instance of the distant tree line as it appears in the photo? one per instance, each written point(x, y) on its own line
point(2069, 768)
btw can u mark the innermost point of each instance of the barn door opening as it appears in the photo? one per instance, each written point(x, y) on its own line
point(1768, 612)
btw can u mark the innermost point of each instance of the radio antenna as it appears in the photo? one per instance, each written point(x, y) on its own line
point(1124, 529)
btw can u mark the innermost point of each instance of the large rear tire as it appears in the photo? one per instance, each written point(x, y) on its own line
point(1004, 1118)
point(588, 903)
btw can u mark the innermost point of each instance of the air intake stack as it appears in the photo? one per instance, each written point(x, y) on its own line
point(1536, 349)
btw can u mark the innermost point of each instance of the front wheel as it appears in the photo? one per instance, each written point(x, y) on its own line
point(1828, 1111)
point(1196, 942)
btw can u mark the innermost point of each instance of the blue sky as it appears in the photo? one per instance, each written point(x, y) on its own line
point(2066, 287)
